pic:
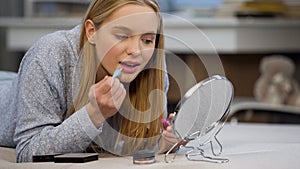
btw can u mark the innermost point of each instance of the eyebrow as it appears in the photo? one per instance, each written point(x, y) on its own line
point(126, 29)
point(122, 28)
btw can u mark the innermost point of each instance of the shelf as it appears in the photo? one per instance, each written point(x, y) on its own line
point(195, 35)
point(57, 8)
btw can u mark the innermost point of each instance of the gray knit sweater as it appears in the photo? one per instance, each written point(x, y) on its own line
point(33, 107)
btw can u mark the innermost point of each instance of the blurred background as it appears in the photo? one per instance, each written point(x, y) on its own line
point(240, 32)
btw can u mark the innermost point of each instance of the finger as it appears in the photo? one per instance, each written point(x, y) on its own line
point(169, 129)
point(119, 97)
point(119, 94)
point(171, 115)
point(115, 97)
point(171, 140)
point(104, 86)
point(116, 86)
point(168, 134)
point(117, 89)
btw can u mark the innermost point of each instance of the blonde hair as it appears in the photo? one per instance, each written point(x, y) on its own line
point(140, 88)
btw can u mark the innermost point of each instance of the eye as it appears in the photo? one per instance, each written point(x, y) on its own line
point(121, 37)
point(148, 39)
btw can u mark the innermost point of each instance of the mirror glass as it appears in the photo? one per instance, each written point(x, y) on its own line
point(202, 107)
point(203, 110)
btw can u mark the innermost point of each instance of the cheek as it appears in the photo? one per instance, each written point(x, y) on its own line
point(108, 52)
point(102, 48)
point(111, 58)
point(147, 54)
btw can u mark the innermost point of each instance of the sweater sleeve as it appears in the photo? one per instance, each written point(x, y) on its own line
point(41, 105)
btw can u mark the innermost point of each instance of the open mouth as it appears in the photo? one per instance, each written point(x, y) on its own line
point(129, 66)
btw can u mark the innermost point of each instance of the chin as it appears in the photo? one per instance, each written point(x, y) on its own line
point(128, 78)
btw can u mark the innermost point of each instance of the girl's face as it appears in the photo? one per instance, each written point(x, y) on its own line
point(126, 40)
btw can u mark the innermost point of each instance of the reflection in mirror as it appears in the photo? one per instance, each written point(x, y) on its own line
point(199, 117)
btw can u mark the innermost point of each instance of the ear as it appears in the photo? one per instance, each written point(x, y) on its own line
point(90, 31)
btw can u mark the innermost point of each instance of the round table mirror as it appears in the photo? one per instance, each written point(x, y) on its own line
point(200, 115)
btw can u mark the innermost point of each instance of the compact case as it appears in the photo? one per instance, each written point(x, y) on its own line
point(144, 157)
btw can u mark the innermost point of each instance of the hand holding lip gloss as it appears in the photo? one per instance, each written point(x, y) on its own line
point(166, 122)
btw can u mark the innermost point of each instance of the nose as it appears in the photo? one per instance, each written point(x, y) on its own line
point(134, 46)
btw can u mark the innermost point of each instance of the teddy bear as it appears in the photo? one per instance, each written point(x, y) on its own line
point(276, 84)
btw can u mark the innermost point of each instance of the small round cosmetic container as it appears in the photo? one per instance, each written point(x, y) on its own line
point(144, 157)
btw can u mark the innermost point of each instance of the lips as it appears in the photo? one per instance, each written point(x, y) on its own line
point(129, 66)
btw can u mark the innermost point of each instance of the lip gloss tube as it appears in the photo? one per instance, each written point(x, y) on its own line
point(117, 73)
point(165, 123)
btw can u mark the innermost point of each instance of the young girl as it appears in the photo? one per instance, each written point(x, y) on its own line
point(65, 99)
